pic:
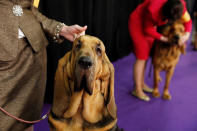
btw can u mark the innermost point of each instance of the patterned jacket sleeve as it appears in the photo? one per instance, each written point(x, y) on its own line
point(50, 26)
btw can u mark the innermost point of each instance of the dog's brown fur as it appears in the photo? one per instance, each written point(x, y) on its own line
point(88, 108)
point(166, 56)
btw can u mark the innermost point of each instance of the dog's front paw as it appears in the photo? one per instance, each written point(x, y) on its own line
point(167, 96)
point(156, 93)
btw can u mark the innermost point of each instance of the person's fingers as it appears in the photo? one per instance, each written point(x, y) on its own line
point(78, 35)
point(75, 36)
point(85, 27)
point(74, 31)
point(79, 28)
point(181, 43)
point(82, 33)
point(164, 39)
point(183, 40)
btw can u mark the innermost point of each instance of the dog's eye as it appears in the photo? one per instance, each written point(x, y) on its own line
point(98, 50)
point(78, 46)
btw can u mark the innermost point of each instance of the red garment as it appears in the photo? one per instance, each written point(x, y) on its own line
point(142, 26)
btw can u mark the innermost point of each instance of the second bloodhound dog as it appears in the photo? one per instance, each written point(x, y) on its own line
point(84, 89)
point(166, 56)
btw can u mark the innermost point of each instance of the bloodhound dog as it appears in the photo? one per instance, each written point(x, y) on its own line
point(166, 56)
point(84, 89)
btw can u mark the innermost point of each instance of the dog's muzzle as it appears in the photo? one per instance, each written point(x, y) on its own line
point(83, 73)
point(175, 39)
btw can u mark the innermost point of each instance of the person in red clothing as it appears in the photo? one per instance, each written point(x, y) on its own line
point(143, 22)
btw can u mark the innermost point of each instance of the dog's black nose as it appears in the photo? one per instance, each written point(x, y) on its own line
point(176, 37)
point(85, 62)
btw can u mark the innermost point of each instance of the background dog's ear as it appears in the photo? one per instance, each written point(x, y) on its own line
point(109, 89)
point(62, 90)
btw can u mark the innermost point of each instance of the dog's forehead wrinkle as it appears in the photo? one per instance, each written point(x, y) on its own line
point(90, 40)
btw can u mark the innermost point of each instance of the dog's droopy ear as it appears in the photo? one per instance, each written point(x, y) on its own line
point(62, 91)
point(108, 87)
point(182, 49)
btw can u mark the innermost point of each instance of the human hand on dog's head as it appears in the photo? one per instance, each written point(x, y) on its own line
point(184, 38)
point(164, 39)
point(72, 32)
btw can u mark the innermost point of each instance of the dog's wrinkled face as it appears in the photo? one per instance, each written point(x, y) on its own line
point(174, 32)
point(87, 52)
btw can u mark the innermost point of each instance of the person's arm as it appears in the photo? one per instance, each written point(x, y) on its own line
point(150, 28)
point(51, 27)
point(188, 27)
point(187, 21)
point(56, 29)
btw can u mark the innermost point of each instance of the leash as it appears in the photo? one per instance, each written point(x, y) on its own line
point(24, 121)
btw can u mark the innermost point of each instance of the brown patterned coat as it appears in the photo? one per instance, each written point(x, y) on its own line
point(22, 62)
